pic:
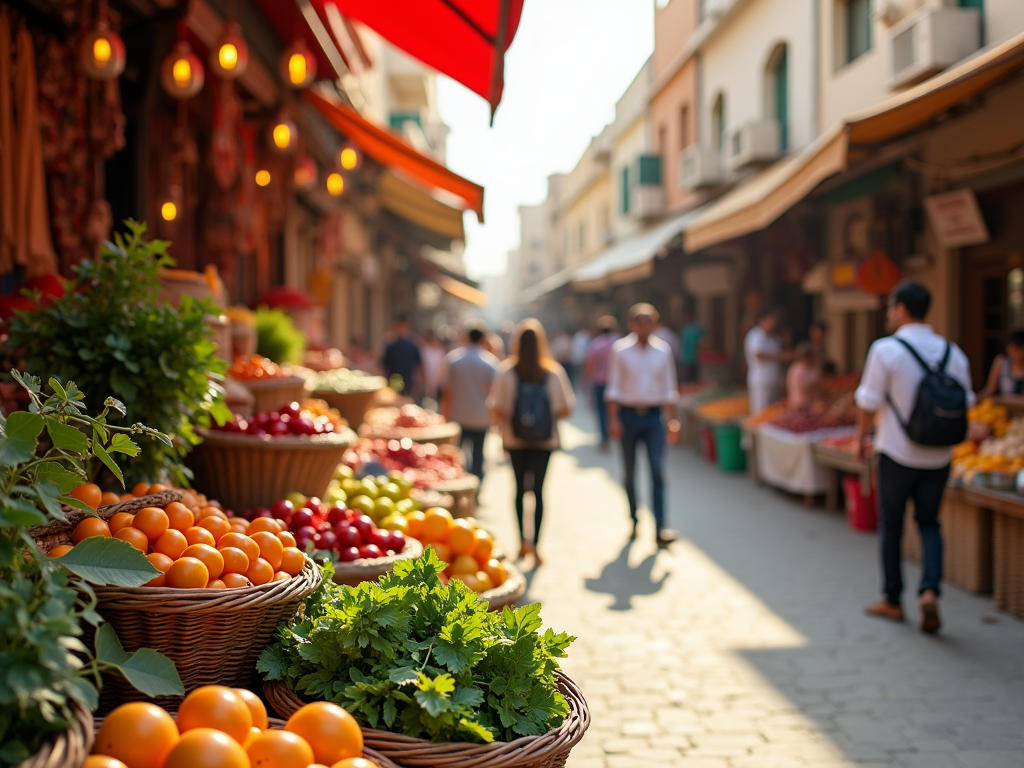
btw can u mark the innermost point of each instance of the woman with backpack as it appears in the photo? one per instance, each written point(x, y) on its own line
point(530, 394)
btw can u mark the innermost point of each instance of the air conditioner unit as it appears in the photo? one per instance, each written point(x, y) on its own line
point(648, 201)
point(756, 141)
point(929, 41)
point(699, 168)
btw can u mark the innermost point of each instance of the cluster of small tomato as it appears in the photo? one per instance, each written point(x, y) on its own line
point(255, 367)
point(290, 420)
point(219, 727)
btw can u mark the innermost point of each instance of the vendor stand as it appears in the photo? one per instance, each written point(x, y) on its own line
point(834, 461)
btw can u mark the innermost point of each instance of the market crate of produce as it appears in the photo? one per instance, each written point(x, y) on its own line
point(68, 748)
point(270, 384)
point(350, 392)
point(463, 491)
point(427, 465)
point(412, 422)
point(372, 568)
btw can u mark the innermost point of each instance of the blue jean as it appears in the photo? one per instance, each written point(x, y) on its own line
point(896, 484)
point(649, 429)
point(475, 454)
point(602, 411)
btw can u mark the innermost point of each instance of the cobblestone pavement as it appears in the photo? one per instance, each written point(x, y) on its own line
point(744, 646)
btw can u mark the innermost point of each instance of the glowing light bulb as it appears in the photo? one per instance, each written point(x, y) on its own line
point(349, 158)
point(263, 178)
point(297, 68)
point(169, 211)
point(228, 56)
point(101, 51)
point(282, 136)
point(335, 184)
point(181, 72)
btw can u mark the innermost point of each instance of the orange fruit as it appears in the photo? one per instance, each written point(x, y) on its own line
point(239, 522)
point(179, 517)
point(127, 496)
point(436, 523)
point(152, 521)
point(256, 708)
point(279, 749)
point(461, 537)
point(242, 542)
point(292, 561)
point(215, 706)
point(172, 543)
point(188, 573)
point(216, 584)
point(211, 558)
point(260, 571)
point(63, 549)
point(188, 499)
point(135, 537)
point(88, 493)
point(218, 526)
point(109, 498)
point(464, 564)
point(496, 571)
point(443, 551)
point(331, 731)
point(484, 581)
point(208, 511)
point(156, 488)
point(264, 524)
point(102, 761)
point(253, 732)
point(484, 546)
point(235, 529)
point(161, 562)
point(355, 762)
point(197, 535)
point(271, 548)
point(207, 748)
point(140, 489)
point(235, 580)
point(120, 520)
point(469, 579)
point(89, 527)
point(286, 538)
point(235, 560)
point(139, 734)
point(414, 524)
point(281, 576)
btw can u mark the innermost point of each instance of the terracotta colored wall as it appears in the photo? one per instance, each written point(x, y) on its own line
point(673, 26)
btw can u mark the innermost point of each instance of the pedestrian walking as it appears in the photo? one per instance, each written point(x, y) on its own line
point(531, 393)
point(641, 399)
point(561, 350)
point(596, 370)
point(432, 354)
point(919, 385)
point(764, 361)
point(402, 358)
point(691, 338)
point(467, 376)
point(578, 357)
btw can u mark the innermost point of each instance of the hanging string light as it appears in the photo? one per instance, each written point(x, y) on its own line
point(350, 157)
point(262, 177)
point(335, 184)
point(298, 65)
point(181, 73)
point(101, 54)
point(170, 206)
point(230, 57)
point(283, 133)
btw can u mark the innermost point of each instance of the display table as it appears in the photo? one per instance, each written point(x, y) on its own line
point(833, 461)
point(786, 459)
point(1007, 545)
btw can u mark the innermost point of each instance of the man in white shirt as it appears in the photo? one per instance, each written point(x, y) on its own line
point(466, 378)
point(907, 469)
point(641, 398)
point(764, 362)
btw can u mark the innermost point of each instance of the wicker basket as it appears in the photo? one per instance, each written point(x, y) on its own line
point(1008, 590)
point(351, 405)
point(967, 543)
point(428, 498)
point(508, 593)
point(448, 433)
point(358, 571)
point(463, 490)
point(549, 750)
point(69, 748)
point(271, 394)
point(244, 471)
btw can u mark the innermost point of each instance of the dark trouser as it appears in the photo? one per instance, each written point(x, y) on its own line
point(475, 454)
point(648, 428)
point(896, 484)
point(530, 466)
point(602, 411)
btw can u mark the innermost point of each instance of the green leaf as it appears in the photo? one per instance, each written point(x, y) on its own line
point(109, 562)
point(57, 387)
point(53, 472)
point(433, 695)
point(108, 646)
point(71, 501)
point(115, 405)
point(22, 513)
point(152, 673)
point(66, 438)
point(18, 444)
point(121, 443)
point(103, 456)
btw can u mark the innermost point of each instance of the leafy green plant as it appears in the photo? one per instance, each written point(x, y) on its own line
point(277, 336)
point(411, 654)
point(115, 333)
point(44, 665)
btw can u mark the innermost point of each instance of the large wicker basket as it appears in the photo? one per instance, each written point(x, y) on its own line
point(464, 491)
point(270, 394)
point(508, 593)
point(351, 405)
point(244, 471)
point(549, 750)
point(57, 533)
point(358, 571)
point(69, 748)
point(448, 433)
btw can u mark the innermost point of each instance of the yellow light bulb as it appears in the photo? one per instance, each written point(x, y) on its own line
point(335, 184)
point(262, 178)
point(101, 51)
point(282, 136)
point(297, 68)
point(349, 158)
point(169, 211)
point(181, 72)
point(228, 56)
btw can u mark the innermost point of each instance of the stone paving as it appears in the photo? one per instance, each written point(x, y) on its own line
point(744, 646)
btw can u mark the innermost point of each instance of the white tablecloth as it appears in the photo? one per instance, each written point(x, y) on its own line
point(785, 459)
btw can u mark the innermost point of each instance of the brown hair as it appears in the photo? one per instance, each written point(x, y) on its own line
point(532, 359)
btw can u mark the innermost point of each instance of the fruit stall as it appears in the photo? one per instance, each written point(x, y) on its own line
point(718, 413)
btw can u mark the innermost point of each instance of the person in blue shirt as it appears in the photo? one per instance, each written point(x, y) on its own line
point(402, 358)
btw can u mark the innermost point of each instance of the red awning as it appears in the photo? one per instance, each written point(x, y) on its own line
point(464, 39)
point(388, 150)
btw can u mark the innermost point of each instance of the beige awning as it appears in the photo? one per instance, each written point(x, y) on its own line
point(415, 204)
point(760, 201)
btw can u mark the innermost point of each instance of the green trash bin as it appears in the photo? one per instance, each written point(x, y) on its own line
point(729, 449)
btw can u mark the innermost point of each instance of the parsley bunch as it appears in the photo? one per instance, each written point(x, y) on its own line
point(415, 656)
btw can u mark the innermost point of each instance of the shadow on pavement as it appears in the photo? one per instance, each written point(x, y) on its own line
point(624, 582)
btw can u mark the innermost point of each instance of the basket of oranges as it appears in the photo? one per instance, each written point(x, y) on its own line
point(70, 747)
point(270, 383)
point(225, 584)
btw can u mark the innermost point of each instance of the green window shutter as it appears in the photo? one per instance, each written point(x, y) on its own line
point(858, 28)
point(782, 97)
point(649, 170)
point(625, 189)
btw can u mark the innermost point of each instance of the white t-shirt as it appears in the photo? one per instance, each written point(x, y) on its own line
point(762, 371)
point(641, 376)
point(891, 370)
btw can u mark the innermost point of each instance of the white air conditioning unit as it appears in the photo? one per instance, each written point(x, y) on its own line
point(929, 41)
point(756, 141)
point(699, 168)
point(648, 201)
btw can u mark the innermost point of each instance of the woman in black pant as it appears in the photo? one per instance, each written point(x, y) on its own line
point(531, 393)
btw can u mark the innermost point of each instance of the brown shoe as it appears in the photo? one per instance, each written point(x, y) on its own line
point(883, 609)
point(930, 621)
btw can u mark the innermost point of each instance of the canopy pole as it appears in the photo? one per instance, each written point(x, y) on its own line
point(498, 70)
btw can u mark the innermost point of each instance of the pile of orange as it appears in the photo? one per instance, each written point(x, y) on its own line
point(220, 727)
point(90, 494)
point(462, 543)
point(255, 367)
point(200, 550)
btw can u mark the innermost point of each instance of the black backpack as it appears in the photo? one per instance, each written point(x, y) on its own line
point(939, 417)
point(531, 419)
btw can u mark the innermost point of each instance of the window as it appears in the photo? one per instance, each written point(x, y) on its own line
point(625, 189)
point(858, 28)
point(776, 92)
point(684, 126)
point(718, 123)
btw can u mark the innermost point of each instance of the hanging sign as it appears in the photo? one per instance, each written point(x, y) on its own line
point(877, 274)
point(956, 219)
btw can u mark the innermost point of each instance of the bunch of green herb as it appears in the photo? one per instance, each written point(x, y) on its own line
point(277, 337)
point(44, 666)
point(116, 333)
point(428, 660)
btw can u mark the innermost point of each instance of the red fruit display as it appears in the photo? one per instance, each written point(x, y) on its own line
point(426, 464)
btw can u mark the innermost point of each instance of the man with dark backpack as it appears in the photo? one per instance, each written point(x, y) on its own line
point(919, 385)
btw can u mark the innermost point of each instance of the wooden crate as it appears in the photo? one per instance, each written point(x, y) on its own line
point(1008, 538)
point(967, 542)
